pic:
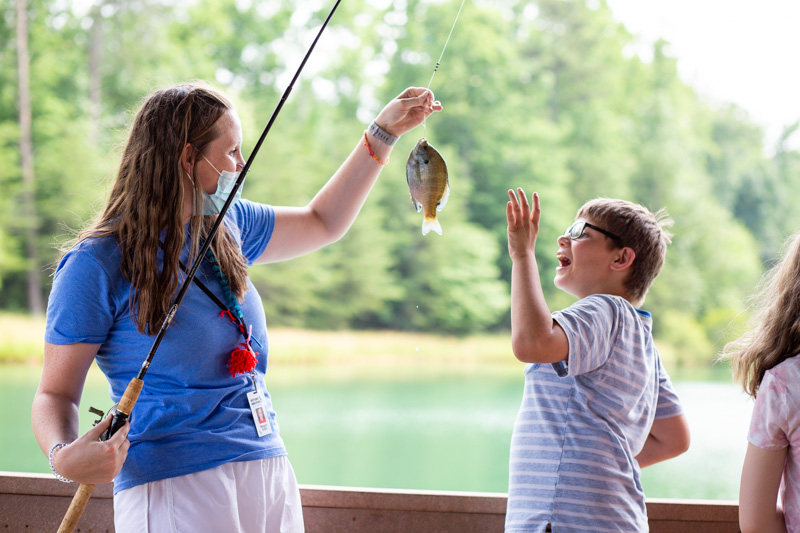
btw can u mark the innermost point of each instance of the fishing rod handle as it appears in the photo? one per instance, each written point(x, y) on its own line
point(76, 508)
point(84, 492)
point(123, 409)
point(130, 396)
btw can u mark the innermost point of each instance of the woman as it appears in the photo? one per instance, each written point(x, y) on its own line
point(202, 447)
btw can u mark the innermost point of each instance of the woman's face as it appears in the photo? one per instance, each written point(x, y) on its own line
point(223, 153)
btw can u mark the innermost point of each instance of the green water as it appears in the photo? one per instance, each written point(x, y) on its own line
point(450, 433)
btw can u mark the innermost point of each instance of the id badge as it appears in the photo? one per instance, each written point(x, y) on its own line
point(259, 411)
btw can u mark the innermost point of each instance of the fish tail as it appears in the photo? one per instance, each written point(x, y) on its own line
point(429, 224)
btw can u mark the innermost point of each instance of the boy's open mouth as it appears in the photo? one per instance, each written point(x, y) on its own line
point(563, 260)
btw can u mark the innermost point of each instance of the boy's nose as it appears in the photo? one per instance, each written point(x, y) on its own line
point(563, 240)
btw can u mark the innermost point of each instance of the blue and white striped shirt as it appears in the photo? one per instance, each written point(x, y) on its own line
point(583, 421)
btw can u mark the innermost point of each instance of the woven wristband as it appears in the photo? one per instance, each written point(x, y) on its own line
point(52, 466)
point(372, 153)
point(381, 134)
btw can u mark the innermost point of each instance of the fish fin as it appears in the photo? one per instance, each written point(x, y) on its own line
point(429, 224)
point(443, 201)
point(417, 205)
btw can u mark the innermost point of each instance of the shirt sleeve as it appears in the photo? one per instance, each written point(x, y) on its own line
point(81, 306)
point(255, 223)
point(668, 403)
point(590, 326)
point(770, 415)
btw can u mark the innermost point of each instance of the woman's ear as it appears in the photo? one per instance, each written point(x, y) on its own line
point(624, 259)
point(188, 156)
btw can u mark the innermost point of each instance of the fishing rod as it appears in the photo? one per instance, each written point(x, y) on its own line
point(121, 412)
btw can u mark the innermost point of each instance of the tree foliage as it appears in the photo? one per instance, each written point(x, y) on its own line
point(543, 94)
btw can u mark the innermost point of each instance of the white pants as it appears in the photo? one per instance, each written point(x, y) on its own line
point(244, 497)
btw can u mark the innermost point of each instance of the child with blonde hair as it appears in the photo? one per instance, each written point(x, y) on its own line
point(764, 361)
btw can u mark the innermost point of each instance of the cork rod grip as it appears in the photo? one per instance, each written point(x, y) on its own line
point(76, 508)
point(130, 396)
point(84, 492)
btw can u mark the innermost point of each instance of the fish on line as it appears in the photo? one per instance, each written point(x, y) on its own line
point(426, 174)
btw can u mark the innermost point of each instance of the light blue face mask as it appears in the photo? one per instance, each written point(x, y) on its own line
point(212, 203)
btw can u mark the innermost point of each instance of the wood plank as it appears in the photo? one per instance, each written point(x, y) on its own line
point(37, 502)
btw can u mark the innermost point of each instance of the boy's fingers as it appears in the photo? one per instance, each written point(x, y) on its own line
point(515, 204)
point(525, 206)
point(523, 200)
point(513, 196)
point(537, 211)
point(514, 214)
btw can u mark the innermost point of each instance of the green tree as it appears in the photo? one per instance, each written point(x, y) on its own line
point(546, 95)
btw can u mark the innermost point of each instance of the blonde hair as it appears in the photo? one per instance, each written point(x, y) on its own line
point(147, 198)
point(638, 229)
point(775, 332)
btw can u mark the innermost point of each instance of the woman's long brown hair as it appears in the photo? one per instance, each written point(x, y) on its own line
point(775, 334)
point(147, 198)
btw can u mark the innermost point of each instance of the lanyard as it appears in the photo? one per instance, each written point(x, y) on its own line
point(243, 358)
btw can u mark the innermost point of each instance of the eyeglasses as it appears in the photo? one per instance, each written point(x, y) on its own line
point(578, 230)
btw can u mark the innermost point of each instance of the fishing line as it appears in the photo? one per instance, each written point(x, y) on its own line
point(443, 49)
point(445, 43)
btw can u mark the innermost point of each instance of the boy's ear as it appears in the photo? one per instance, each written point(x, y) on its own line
point(624, 259)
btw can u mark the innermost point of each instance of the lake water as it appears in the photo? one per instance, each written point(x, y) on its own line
point(448, 433)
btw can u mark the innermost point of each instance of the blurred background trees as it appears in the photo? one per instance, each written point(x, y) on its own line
point(542, 94)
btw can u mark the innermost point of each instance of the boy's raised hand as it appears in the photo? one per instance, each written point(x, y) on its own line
point(523, 223)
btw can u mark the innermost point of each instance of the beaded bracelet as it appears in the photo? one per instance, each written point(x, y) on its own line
point(371, 153)
point(59, 477)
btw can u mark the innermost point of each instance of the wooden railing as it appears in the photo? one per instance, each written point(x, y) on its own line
point(37, 503)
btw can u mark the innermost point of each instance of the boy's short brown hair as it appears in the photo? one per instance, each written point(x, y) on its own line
point(638, 229)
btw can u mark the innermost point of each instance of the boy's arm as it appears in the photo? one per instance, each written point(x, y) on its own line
point(758, 493)
point(535, 336)
point(668, 438)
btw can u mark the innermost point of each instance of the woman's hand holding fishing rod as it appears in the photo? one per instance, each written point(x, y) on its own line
point(55, 418)
point(299, 230)
point(89, 460)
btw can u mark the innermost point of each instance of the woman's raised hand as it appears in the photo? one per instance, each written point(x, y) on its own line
point(407, 111)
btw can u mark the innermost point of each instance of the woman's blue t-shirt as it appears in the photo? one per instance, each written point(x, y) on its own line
point(191, 414)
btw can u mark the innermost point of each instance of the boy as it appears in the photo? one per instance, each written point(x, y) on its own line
point(597, 405)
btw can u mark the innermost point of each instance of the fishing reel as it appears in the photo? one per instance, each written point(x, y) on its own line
point(118, 420)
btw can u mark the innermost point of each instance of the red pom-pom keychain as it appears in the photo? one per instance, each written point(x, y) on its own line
point(243, 358)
